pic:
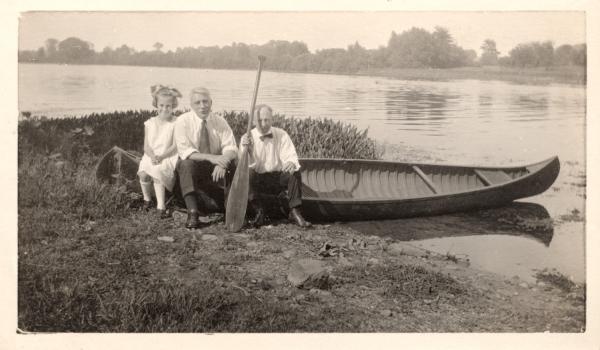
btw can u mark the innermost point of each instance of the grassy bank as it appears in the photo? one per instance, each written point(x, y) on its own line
point(97, 133)
point(89, 261)
point(536, 76)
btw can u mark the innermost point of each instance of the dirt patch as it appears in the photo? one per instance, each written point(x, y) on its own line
point(119, 276)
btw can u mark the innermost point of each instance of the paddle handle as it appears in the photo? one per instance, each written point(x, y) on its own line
point(261, 61)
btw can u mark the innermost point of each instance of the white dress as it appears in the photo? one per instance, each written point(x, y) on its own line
point(160, 138)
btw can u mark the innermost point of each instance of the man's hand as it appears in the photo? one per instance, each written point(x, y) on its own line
point(246, 142)
point(155, 159)
point(218, 173)
point(219, 160)
point(289, 167)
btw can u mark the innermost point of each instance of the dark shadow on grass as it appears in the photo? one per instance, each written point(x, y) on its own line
point(524, 219)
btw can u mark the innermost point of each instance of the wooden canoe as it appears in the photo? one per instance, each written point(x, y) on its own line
point(349, 190)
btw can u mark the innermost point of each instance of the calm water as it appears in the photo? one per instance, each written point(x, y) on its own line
point(464, 121)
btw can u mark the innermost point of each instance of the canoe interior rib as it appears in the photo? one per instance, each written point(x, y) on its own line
point(366, 180)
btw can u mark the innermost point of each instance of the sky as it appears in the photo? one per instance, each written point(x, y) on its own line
point(318, 30)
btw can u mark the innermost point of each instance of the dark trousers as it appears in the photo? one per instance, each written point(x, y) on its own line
point(274, 183)
point(196, 177)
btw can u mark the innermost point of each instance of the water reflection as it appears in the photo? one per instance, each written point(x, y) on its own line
point(522, 219)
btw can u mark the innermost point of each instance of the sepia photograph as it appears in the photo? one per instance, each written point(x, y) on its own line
point(294, 172)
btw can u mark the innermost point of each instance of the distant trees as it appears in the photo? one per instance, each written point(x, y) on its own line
point(417, 48)
point(570, 55)
point(414, 48)
point(489, 53)
point(158, 46)
point(534, 54)
point(74, 50)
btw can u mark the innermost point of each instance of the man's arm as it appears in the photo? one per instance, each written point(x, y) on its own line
point(184, 145)
point(287, 152)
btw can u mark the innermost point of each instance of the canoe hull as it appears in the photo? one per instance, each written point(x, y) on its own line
point(351, 190)
point(483, 198)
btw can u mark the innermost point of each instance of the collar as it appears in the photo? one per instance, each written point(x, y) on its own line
point(208, 117)
point(267, 135)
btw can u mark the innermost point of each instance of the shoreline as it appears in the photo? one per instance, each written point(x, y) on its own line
point(567, 75)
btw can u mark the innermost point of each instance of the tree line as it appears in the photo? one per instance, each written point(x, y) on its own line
point(414, 48)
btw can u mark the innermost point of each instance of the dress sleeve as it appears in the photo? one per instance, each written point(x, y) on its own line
point(182, 141)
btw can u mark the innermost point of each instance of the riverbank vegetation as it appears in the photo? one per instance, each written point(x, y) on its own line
point(90, 261)
point(414, 49)
point(97, 133)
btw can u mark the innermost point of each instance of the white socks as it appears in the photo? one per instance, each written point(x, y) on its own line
point(146, 190)
point(159, 190)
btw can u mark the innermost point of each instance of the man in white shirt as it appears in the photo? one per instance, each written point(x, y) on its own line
point(273, 163)
point(206, 148)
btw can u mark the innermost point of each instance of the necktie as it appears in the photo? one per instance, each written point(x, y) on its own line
point(266, 136)
point(204, 146)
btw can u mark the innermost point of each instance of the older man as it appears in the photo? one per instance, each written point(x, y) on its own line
point(206, 148)
point(273, 163)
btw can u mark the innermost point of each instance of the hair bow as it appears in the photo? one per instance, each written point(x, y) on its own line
point(155, 89)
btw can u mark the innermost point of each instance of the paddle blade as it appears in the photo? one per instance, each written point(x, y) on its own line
point(237, 201)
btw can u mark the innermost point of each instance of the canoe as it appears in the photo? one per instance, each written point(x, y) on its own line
point(350, 190)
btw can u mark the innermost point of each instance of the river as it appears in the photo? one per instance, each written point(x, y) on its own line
point(454, 122)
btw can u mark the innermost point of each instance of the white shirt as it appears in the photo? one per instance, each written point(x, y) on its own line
point(187, 134)
point(270, 154)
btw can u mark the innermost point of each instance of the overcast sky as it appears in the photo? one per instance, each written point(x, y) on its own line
point(317, 29)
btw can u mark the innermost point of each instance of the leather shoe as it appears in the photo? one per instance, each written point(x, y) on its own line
point(296, 217)
point(163, 214)
point(259, 217)
point(147, 205)
point(192, 219)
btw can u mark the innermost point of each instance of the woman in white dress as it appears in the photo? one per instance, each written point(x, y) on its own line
point(157, 166)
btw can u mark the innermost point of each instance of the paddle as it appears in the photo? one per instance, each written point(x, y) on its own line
point(237, 201)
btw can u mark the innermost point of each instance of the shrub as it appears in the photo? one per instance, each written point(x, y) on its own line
point(97, 133)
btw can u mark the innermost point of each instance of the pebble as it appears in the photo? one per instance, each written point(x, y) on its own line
point(242, 235)
point(523, 285)
point(541, 284)
point(299, 297)
point(319, 292)
point(344, 262)
point(373, 261)
point(166, 239)
point(209, 237)
point(252, 244)
point(307, 272)
point(386, 313)
point(293, 236)
point(288, 254)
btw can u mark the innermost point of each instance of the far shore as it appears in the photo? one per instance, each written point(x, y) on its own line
point(572, 75)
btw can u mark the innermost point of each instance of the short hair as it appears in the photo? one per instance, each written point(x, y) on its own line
point(164, 91)
point(261, 106)
point(200, 91)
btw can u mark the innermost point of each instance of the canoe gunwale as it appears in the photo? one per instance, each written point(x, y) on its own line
point(387, 162)
point(438, 196)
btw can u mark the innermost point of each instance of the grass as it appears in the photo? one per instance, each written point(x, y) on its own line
point(556, 279)
point(88, 261)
